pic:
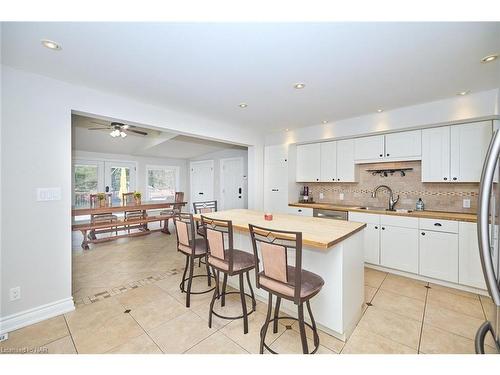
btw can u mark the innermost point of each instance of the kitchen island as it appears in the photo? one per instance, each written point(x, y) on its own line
point(332, 249)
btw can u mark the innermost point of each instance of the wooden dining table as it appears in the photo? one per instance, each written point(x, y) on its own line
point(89, 229)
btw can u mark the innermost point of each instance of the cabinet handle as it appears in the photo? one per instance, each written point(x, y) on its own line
point(387, 154)
point(333, 179)
point(338, 179)
point(381, 155)
point(454, 178)
point(376, 227)
point(423, 233)
point(437, 224)
point(383, 228)
point(445, 178)
point(299, 210)
point(317, 179)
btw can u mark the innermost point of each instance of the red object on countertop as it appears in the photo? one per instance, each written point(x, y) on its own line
point(268, 217)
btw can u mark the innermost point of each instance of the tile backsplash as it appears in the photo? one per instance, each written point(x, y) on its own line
point(436, 196)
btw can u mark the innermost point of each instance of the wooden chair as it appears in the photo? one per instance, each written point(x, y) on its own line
point(106, 217)
point(128, 199)
point(175, 209)
point(284, 281)
point(229, 261)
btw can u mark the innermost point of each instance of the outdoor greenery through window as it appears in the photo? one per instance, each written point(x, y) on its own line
point(86, 180)
point(162, 183)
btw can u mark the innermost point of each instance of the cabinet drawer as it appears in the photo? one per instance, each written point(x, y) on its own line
point(399, 221)
point(301, 211)
point(439, 225)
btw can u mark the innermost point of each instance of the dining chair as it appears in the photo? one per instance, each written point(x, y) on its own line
point(128, 199)
point(229, 261)
point(105, 217)
point(283, 280)
point(175, 209)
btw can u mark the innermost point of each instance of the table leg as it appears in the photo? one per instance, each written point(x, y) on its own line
point(145, 224)
point(85, 243)
point(165, 226)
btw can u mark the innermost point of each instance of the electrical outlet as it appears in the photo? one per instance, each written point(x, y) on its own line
point(341, 196)
point(466, 203)
point(4, 337)
point(321, 195)
point(15, 293)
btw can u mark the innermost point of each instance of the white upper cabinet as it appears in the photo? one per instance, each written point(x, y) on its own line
point(369, 148)
point(345, 161)
point(328, 162)
point(404, 145)
point(455, 153)
point(436, 154)
point(308, 162)
point(469, 144)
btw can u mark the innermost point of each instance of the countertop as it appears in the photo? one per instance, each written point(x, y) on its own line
point(316, 232)
point(457, 216)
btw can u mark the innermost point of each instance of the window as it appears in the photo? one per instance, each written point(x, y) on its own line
point(162, 182)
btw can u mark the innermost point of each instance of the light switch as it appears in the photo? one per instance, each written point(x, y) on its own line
point(466, 203)
point(321, 195)
point(341, 196)
point(48, 194)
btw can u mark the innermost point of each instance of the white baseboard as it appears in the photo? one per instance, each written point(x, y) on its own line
point(35, 315)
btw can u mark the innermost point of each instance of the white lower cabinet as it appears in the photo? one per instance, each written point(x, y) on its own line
point(371, 235)
point(469, 271)
point(399, 248)
point(439, 255)
point(300, 211)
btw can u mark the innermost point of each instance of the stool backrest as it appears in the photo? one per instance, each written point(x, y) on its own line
point(179, 196)
point(94, 200)
point(184, 231)
point(273, 246)
point(204, 208)
point(128, 199)
point(218, 232)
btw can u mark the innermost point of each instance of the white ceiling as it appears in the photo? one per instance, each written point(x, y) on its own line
point(349, 69)
point(155, 144)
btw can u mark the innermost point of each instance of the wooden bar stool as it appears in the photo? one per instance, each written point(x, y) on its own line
point(193, 248)
point(230, 262)
point(284, 281)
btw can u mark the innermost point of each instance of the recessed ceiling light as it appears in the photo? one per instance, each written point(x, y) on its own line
point(325, 121)
point(299, 86)
point(489, 58)
point(287, 129)
point(462, 93)
point(380, 110)
point(50, 44)
point(243, 105)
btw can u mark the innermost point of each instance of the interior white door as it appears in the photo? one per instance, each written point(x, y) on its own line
point(202, 181)
point(276, 179)
point(119, 178)
point(231, 183)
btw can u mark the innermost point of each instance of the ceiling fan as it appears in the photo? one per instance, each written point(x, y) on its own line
point(118, 129)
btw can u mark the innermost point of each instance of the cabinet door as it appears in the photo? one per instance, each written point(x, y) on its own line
point(276, 179)
point(439, 255)
point(371, 243)
point(399, 248)
point(300, 211)
point(404, 145)
point(470, 271)
point(436, 154)
point(346, 169)
point(308, 162)
point(328, 152)
point(369, 148)
point(469, 144)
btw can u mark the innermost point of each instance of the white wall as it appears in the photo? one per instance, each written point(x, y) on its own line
point(36, 152)
point(141, 163)
point(456, 109)
point(216, 157)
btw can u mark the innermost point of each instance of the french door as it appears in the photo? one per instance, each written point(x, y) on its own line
point(94, 176)
point(202, 180)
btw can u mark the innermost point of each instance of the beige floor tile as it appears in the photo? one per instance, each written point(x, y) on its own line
point(181, 333)
point(406, 306)
point(218, 343)
point(369, 293)
point(157, 312)
point(330, 342)
point(251, 341)
point(452, 321)
point(140, 296)
point(457, 292)
point(93, 315)
point(36, 335)
point(110, 333)
point(437, 341)
point(405, 286)
point(455, 302)
point(290, 343)
point(363, 341)
point(61, 346)
point(196, 299)
point(393, 326)
point(138, 345)
point(373, 277)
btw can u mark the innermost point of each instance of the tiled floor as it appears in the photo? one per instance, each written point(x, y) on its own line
point(142, 314)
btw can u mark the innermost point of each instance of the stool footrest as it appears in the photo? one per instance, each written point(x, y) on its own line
point(315, 333)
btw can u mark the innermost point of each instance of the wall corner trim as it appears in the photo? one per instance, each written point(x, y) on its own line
point(35, 315)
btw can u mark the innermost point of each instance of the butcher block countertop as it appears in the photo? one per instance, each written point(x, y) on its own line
point(442, 215)
point(316, 232)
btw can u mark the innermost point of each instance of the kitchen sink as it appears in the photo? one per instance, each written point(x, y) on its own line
point(374, 208)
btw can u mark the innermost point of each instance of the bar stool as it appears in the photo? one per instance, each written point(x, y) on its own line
point(288, 282)
point(230, 262)
point(193, 248)
point(203, 208)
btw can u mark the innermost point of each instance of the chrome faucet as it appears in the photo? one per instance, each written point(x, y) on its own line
point(392, 201)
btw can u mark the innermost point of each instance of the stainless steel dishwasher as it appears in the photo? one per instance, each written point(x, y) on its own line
point(330, 214)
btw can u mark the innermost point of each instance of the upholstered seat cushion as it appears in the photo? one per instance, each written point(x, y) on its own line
point(310, 283)
point(200, 247)
point(241, 260)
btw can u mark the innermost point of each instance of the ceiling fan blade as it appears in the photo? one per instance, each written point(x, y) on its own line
point(137, 131)
point(98, 129)
point(99, 123)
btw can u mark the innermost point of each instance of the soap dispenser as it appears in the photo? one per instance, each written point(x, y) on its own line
point(420, 205)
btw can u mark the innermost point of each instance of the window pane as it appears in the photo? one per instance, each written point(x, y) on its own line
point(120, 183)
point(85, 184)
point(161, 183)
